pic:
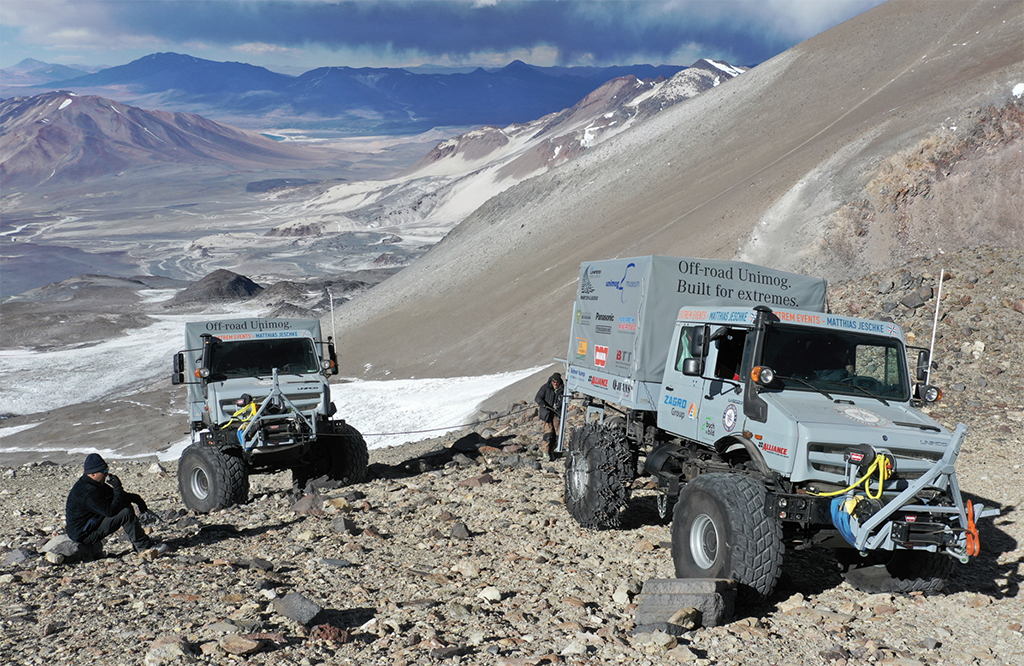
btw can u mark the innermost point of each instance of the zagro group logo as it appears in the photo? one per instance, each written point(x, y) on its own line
point(625, 283)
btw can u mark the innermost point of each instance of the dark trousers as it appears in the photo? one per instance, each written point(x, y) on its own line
point(124, 519)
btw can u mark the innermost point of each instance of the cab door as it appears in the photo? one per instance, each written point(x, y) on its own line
point(721, 407)
point(679, 402)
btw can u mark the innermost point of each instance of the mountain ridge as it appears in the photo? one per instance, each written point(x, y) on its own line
point(62, 138)
point(363, 100)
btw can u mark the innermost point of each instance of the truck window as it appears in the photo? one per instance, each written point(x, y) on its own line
point(683, 347)
point(252, 358)
point(840, 362)
point(730, 354)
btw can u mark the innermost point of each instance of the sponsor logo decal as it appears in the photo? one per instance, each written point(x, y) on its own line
point(673, 401)
point(599, 381)
point(604, 329)
point(604, 317)
point(709, 427)
point(729, 418)
point(600, 356)
point(624, 388)
point(585, 286)
point(865, 416)
point(624, 283)
point(692, 414)
point(581, 348)
point(771, 448)
point(627, 324)
point(623, 358)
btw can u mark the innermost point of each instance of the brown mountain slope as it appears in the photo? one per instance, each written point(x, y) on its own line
point(61, 138)
point(785, 166)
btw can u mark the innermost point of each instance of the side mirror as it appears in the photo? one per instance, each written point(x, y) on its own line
point(923, 359)
point(693, 367)
point(697, 342)
point(178, 373)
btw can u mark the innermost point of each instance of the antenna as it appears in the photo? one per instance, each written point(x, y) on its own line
point(334, 331)
point(935, 323)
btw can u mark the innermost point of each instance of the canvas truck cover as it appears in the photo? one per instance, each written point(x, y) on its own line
point(626, 310)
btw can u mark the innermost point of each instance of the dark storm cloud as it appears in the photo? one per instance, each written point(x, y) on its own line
point(609, 30)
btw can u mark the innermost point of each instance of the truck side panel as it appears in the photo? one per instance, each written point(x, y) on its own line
point(621, 323)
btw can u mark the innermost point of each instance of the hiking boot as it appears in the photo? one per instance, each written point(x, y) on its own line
point(153, 552)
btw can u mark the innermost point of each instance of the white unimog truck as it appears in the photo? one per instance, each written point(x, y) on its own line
point(765, 420)
point(260, 402)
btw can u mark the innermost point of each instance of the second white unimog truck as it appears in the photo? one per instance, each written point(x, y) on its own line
point(259, 402)
point(765, 420)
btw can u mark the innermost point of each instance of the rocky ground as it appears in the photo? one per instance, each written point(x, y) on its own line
point(459, 549)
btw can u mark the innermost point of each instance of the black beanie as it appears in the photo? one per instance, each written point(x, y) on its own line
point(94, 463)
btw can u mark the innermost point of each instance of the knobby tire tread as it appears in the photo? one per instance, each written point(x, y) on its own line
point(756, 547)
point(606, 454)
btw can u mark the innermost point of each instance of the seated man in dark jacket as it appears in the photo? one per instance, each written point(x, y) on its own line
point(95, 510)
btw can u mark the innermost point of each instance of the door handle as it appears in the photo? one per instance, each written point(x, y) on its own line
point(668, 388)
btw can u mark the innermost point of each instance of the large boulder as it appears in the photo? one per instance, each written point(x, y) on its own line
point(219, 286)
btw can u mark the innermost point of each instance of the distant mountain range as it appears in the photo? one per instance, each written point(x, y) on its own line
point(60, 138)
point(32, 72)
point(358, 100)
point(461, 173)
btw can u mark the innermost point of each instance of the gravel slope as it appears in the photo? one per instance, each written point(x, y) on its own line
point(459, 549)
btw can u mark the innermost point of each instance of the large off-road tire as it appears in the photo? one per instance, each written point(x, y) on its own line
point(210, 478)
point(901, 571)
point(341, 456)
point(598, 475)
point(720, 530)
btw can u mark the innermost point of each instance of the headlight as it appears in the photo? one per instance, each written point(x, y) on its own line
point(763, 375)
point(931, 394)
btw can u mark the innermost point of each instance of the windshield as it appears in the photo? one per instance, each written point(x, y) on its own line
point(253, 358)
point(846, 363)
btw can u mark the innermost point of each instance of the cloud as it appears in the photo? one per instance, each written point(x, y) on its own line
point(597, 31)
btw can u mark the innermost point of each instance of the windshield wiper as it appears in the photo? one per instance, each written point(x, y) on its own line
point(866, 392)
point(808, 385)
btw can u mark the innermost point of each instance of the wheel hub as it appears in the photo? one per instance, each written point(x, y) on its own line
point(579, 475)
point(199, 483)
point(704, 541)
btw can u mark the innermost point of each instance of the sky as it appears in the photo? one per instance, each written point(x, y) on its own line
point(293, 36)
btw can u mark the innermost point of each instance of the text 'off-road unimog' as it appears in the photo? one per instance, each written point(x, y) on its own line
point(765, 420)
point(259, 402)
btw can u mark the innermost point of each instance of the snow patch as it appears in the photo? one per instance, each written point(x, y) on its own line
point(1018, 90)
point(65, 104)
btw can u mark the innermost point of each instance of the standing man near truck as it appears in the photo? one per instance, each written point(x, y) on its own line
point(549, 407)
